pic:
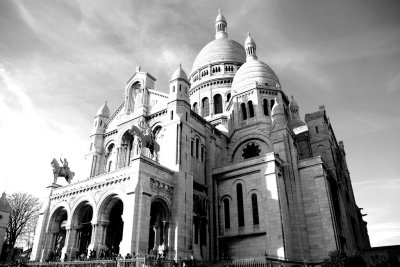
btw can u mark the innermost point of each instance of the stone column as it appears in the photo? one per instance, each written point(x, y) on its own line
point(93, 238)
point(156, 229)
point(66, 244)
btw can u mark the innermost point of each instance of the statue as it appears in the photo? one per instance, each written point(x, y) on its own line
point(146, 138)
point(63, 171)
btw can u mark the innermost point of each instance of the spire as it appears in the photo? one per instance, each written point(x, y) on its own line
point(220, 26)
point(104, 110)
point(250, 46)
point(294, 110)
point(278, 112)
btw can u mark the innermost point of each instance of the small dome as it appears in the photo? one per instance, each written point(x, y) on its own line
point(104, 110)
point(293, 104)
point(277, 109)
point(251, 72)
point(179, 73)
point(249, 41)
point(4, 205)
point(219, 50)
point(220, 17)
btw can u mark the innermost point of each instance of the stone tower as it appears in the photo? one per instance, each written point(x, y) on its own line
point(5, 211)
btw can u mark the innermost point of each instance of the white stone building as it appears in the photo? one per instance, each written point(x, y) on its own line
point(220, 166)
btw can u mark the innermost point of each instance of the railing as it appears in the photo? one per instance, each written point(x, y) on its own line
point(150, 262)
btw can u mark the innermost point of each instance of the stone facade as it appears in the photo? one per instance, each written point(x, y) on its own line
point(220, 166)
point(5, 211)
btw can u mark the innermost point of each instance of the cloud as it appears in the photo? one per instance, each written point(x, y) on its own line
point(28, 141)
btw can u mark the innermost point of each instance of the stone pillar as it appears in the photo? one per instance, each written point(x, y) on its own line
point(157, 236)
point(66, 244)
point(94, 239)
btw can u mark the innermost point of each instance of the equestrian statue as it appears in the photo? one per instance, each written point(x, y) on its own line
point(147, 140)
point(63, 171)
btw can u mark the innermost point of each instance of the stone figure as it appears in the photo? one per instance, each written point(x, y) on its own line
point(146, 138)
point(63, 171)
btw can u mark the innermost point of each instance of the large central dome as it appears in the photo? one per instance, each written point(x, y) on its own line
point(219, 50)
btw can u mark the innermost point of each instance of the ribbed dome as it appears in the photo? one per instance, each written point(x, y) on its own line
point(179, 73)
point(219, 50)
point(104, 110)
point(251, 72)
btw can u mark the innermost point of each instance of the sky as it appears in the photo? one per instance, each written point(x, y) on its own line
point(60, 60)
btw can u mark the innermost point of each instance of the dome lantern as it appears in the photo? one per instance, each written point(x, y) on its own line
point(250, 46)
point(220, 26)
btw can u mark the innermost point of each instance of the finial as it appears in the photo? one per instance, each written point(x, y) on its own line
point(138, 68)
point(220, 10)
point(180, 65)
point(248, 34)
point(292, 97)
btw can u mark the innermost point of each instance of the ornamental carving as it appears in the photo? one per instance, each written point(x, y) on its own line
point(161, 188)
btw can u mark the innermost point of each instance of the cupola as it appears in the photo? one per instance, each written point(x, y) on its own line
point(294, 110)
point(103, 111)
point(250, 46)
point(278, 112)
point(179, 85)
point(220, 26)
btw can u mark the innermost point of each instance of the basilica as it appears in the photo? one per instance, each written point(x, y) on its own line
point(221, 166)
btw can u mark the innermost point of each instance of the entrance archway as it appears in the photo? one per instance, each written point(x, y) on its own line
point(111, 220)
point(57, 227)
point(159, 230)
point(83, 225)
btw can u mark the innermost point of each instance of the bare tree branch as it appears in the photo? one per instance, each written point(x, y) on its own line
point(24, 212)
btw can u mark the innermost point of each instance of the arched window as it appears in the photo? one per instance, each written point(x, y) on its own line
point(202, 153)
point(265, 106)
point(251, 150)
point(197, 148)
point(244, 113)
point(196, 108)
point(173, 88)
point(254, 206)
point(205, 106)
point(316, 129)
point(180, 87)
point(226, 214)
point(191, 148)
point(239, 194)
point(251, 109)
point(217, 104)
point(228, 97)
point(272, 103)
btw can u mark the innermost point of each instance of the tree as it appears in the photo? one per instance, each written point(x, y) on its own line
point(24, 212)
point(336, 258)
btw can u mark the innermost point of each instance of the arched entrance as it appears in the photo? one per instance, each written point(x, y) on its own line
point(57, 229)
point(159, 230)
point(83, 225)
point(112, 224)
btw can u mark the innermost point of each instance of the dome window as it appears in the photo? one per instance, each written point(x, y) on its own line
point(217, 104)
point(196, 108)
point(265, 107)
point(244, 112)
point(205, 107)
point(251, 109)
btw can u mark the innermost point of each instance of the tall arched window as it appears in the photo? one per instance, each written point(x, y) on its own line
point(254, 206)
point(205, 106)
point(217, 104)
point(226, 214)
point(197, 148)
point(228, 97)
point(239, 194)
point(244, 113)
point(251, 109)
point(191, 148)
point(196, 108)
point(272, 103)
point(265, 106)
